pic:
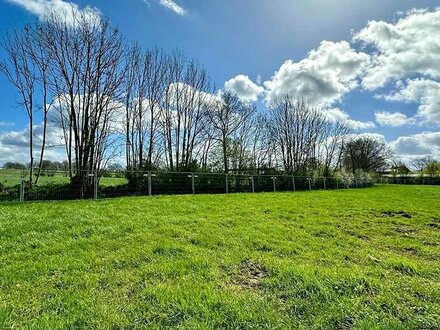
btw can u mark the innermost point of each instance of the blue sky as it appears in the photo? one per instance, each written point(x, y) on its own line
point(370, 74)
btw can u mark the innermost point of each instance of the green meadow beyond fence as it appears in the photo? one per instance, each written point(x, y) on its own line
point(58, 185)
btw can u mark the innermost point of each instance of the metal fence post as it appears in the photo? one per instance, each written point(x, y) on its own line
point(95, 183)
point(252, 183)
point(22, 188)
point(193, 187)
point(325, 184)
point(149, 184)
point(337, 184)
point(293, 180)
point(227, 187)
point(310, 184)
point(274, 184)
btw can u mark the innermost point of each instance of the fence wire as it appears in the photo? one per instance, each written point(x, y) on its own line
point(61, 185)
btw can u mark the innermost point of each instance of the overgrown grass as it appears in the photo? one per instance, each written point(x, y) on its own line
point(363, 259)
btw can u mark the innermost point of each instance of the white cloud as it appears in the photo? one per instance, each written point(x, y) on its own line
point(410, 46)
point(323, 78)
point(14, 145)
point(6, 124)
point(337, 115)
point(417, 145)
point(173, 6)
point(423, 91)
point(44, 8)
point(376, 136)
point(245, 88)
point(114, 110)
point(392, 119)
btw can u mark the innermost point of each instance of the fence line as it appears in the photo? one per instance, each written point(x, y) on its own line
point(57, 185)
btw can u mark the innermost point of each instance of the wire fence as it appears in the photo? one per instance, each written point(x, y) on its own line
point(60, 185)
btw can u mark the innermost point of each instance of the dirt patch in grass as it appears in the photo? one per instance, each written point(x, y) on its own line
point(401, 214)
point(404, 229)
point(358, 235)
point(250, 274)
point(347, 323)
point(410, 250)
point(434, 225)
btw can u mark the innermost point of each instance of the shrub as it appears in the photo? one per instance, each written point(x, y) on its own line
point(346, 178)
point(362, 177)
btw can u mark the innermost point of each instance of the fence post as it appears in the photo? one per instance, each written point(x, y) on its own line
point(22, 187)
point(193, 187)
point(149, 184)
point(337, 184)
point(252, 183)
point(325, 184)
point(293, 180)
point(310, 184)
point(274, 184)
point(227, 187)
point(96, 185)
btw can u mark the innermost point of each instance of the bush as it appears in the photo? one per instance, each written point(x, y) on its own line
point(346, 178)
point(362, 177)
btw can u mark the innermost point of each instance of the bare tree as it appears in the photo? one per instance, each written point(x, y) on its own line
point(85, 59)
point(420, 164)
point(20, 71)
point(132, 58)
point(229, 115)
point(186, 101)
point(367, 154)
point(40, 57)
point(297, 130)
point(334, 135)
point(242, 140)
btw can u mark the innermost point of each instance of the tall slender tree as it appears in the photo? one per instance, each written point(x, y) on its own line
point(20, 71)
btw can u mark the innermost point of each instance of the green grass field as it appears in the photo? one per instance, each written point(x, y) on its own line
point(11, 178)
point(361, 259)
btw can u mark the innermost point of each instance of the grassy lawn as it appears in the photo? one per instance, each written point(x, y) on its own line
point(362, 259)
point(10, 178)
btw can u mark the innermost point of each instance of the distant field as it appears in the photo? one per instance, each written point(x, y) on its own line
point(348, 259)
point(10, 178)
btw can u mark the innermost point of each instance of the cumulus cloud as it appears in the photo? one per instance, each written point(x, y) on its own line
point(423, 91)
point(173, 6)
point(67, 10)
point(417, 145)
point(337, 115)
point(245, 88)
point(14, 145)
point(323, 78)
point(375, 136)
point(392, 119)
point(410, 46)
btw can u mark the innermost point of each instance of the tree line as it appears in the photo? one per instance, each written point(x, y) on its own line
point(160, 110)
